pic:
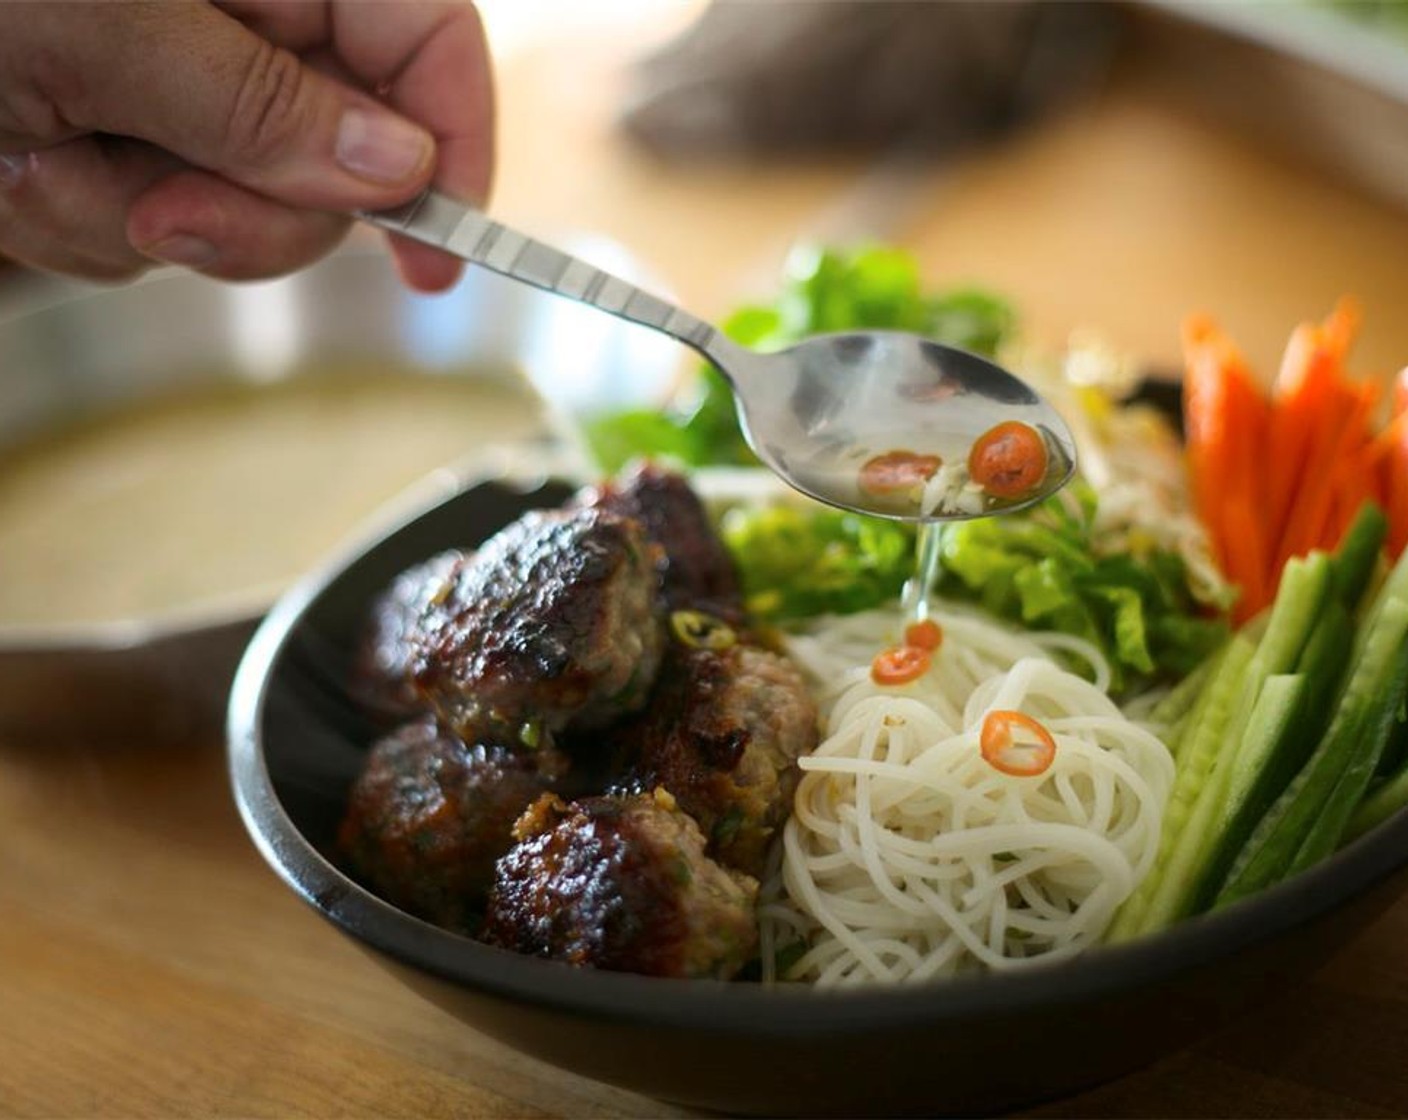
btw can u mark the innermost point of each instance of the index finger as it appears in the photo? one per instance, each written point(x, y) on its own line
point(429, 61)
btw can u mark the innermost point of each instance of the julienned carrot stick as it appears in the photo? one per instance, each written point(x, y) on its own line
point(1398, 505)
point(1276, 478)
point(1383, 444)
point(1361, 485)
point(1246, 557)
point(1227, 419)
point(1205, 413)
point(1357, 480)
point(1298, 415)
point(1222, 406)
point(1341, 326)
point(1311, 375)
point(1289, 428)
point(1249, 486)
point(1393, 443)
point(1333, 437)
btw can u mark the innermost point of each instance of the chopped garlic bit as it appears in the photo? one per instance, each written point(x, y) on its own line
point(946, 492)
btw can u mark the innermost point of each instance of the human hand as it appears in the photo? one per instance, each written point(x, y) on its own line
point(228, 136)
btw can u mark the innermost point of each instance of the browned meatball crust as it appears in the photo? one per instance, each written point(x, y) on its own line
point(554, 621)
point(621, 883)
point(386, 659)
point(696, 569)
point(430, 814)
point(723, 734)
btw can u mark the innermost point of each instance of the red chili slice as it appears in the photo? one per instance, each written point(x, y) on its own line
point(927, 634)
point(897, 471)
point(1008, 460)
point(900, 665)
point(1016, 744)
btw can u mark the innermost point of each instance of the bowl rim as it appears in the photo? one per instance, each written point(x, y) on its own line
point(750, 1008)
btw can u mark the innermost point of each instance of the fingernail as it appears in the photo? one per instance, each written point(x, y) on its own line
point(183, 249)
point(381, 147)
point(12, 169)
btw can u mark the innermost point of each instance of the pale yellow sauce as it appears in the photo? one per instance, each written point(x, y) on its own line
point(203, 496)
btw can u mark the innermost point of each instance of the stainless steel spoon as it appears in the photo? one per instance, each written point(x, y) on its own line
point(815, 413)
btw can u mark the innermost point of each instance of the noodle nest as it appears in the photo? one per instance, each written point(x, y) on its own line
point(909, 856)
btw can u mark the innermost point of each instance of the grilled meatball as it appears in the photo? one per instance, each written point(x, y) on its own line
point(697, 570)
point(621, 883)
point(387, 656)
point(723, 734)
point(553, 622)
point(430, 814)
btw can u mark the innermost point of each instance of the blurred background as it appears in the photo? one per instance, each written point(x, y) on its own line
point(1111, 165)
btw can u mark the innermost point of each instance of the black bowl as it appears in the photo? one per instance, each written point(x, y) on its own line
point(978, 1044)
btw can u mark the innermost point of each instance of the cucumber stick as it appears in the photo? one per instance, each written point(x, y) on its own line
point(1379, 805)
point(1390, 793)
point(1323, 661)
point(1203, 740)
point(1274, 744)
point(1395, 755)
point(1272, 756)
point(1357, 556)
point(1181, 708)
point(1372, 693)
point(1395, 586)
point(1205, 797)
point(1269, 721)
point(1306, 584)
point(1371, 727)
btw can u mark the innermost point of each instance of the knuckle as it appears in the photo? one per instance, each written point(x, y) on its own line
point(31, 237)
point(271, 109)
point(297, 245)
point(51, 256)
point(50, 101)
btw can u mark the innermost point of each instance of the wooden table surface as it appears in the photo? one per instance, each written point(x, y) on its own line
point(151, 965)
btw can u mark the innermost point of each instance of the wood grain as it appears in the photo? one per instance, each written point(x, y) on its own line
point(152, 966)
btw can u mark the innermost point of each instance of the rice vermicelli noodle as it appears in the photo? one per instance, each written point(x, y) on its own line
point(909, 856)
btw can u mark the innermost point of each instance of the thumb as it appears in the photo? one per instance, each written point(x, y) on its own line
point(213, 92)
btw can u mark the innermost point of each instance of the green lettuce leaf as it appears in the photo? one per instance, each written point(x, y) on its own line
point(1124, 621)
point(797, 562)
point(1048, 569)
point(616, 439)
point(1041, 569)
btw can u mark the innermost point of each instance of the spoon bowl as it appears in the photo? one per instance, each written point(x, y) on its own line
point(819, 412)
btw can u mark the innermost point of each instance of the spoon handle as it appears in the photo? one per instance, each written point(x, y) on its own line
point(435, 219)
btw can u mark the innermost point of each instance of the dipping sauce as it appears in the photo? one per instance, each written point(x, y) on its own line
point(226, 490)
